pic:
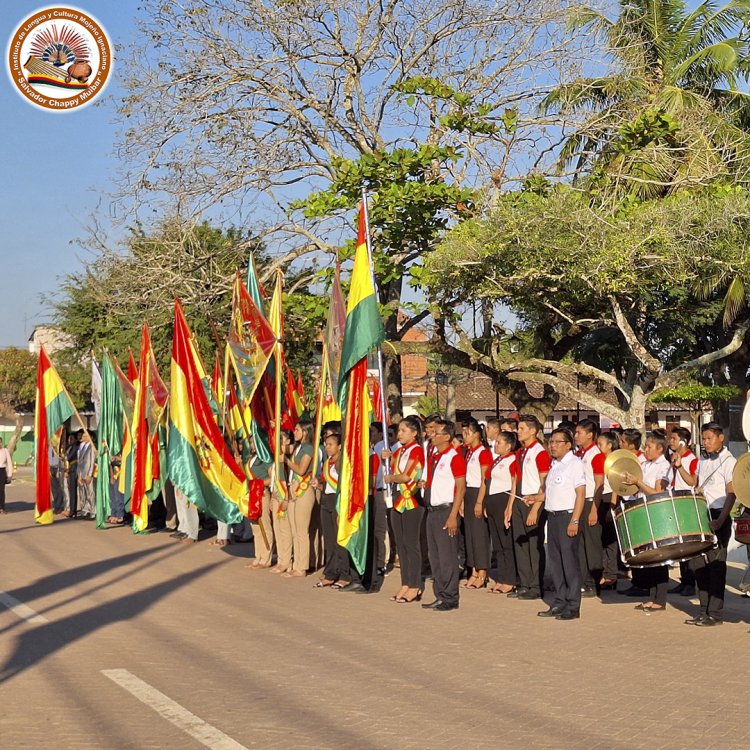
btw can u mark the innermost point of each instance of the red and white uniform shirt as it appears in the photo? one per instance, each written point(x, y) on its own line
point(593, 464)
point(445, 468)
point(533, 461)
point(690, 464)
point(504, 471)
point(478, 464)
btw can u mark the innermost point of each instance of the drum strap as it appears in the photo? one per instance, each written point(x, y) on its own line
point(703, 483)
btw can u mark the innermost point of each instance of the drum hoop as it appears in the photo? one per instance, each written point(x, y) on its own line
point(665, 541)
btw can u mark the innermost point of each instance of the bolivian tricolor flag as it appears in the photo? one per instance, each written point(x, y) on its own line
point(198, 460)
point(363, 332)
point(53, 408)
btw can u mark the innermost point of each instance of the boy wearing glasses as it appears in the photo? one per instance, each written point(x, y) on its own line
point(564, 499)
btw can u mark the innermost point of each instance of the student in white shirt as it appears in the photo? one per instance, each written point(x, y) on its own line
point(564, 499)
point(656, 470)
point(6, 472)
point(715, 477)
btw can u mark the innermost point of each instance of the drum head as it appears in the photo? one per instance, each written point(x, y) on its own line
point(741, 479)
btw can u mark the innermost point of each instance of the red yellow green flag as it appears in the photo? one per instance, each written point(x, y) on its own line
point(53, 408)
point(363, 332)
point(199, 461)
point(150, 401)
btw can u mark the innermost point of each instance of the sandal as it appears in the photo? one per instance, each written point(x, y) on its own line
point(219, 542)
point(607, 584)
point(501, 588)
point(481, 582)
point(324, 584)
point(340, 585)
point(470, 583)
point(404, 600)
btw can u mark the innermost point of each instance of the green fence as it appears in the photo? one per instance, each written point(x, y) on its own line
point(24, 446)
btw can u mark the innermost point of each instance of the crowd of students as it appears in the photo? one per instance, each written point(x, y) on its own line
point(450, 505)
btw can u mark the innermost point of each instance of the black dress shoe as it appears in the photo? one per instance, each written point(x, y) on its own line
point(709, 622)
point(551, 612)
point(588, 592)
point(445, 607)
point(354, 587)
point(676, 589)
point(432, 605)
point(574, 615)
point(695, 620)
point(528, 595)
point(515, 594)
point(688, 591)
point(178, 535)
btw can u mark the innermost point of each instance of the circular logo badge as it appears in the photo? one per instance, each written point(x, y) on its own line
point(59, 58)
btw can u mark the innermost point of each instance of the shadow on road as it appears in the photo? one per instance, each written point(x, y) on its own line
point(33, 646)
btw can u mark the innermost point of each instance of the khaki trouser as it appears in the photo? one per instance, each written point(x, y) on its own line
point(282, 531)
point(300, 511)
point(263, 550)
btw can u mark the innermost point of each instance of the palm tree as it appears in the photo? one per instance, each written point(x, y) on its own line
point(671, 114)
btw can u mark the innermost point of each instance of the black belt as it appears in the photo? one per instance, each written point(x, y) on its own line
point(433, 508)
point(559, 512)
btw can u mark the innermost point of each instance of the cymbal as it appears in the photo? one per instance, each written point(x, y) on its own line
point(616, 465)
point(741, 479)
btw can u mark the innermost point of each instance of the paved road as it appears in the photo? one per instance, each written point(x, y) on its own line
point(270, 663)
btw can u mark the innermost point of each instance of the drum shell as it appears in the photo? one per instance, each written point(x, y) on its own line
point(742, 529)
point(663, 528)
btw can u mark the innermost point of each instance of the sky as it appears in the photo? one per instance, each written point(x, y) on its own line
point(57, 170)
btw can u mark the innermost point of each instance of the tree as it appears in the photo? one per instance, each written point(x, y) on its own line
point(670, 112)
point(275, 101)
point(697, 397)
point(17, 388)
point(607, 300)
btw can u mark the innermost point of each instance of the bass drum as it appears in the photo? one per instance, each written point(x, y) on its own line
point(742, 529)
point(663, 528)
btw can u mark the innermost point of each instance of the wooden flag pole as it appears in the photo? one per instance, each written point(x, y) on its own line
point(381, 377)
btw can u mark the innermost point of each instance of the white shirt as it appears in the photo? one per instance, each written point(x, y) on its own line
point(474, 476)
point(654, 471)
point(714, 474)
point(503, 471)
point(565, 475)
point(443, 484)
point(6, 462)
point(587, 456)
point(690, 464)
point(531, 482)
point(378, 449)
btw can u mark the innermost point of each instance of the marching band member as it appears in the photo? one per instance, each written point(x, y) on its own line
point(590, 548)
point(715, 477)
point(608, 442)
point(655, 478)
point(684, 467)
point(528, 514)
point(564, 499)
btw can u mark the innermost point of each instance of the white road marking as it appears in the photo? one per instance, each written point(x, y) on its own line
point(19, 608)
point(182, 718)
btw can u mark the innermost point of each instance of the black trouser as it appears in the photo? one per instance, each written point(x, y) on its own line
point(656, 580)
point(426, 572)
point(502, 538)
point(528, 542)
point(336, 557)
point(564, 563)
point(3, 477)
point(443, 551)
point(711, 571)
point(687, 576)
point(73, 491)
point(477, 533)
point(58, 500)
point(378, 518)
point(407, 527)
point(610, 547)
point(590, 548)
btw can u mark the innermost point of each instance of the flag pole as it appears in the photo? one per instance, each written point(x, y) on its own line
point(381, 378)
